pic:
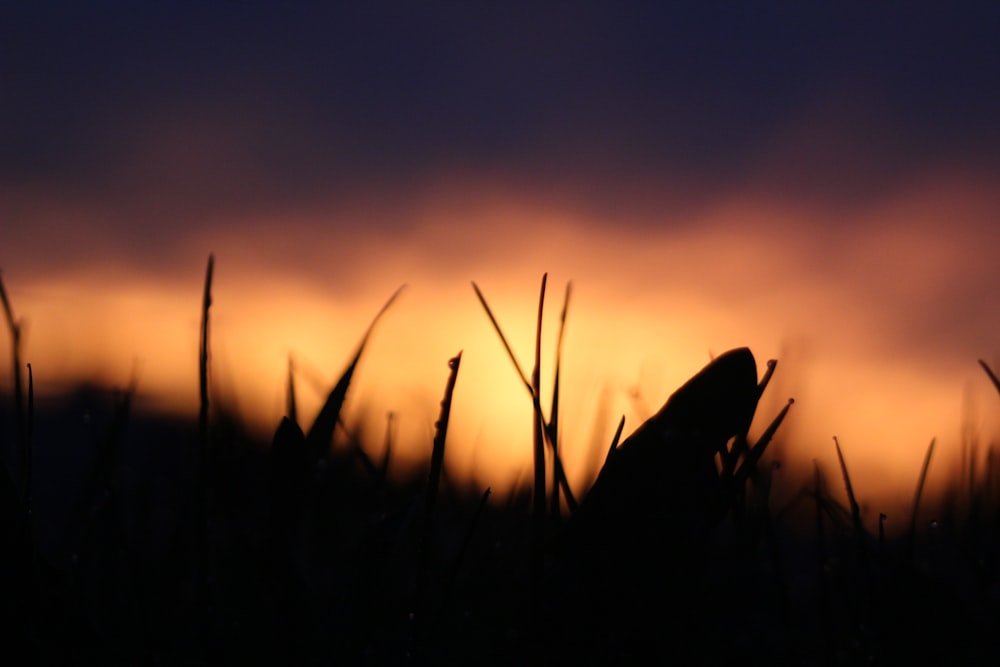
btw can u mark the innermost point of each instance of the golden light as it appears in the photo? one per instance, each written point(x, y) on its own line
point(847, 315)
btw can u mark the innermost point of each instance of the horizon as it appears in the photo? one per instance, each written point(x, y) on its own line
point(815, 183)
point(489, 439)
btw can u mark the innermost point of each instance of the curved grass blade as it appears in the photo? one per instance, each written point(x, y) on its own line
point(320, 435)
point(201, 477)
point(911, 535)
point(550, 429)
point(390, 423)
point(203, 359)
point(826, 595)
point(764, 381)
point(503, 338)
point(15, 345)
point(29, 440)
point(615, 440)
point(855, 508)
point(993, 376)
point(749, 466)
point(559, 480)
point(538, 449)
point(859, 530)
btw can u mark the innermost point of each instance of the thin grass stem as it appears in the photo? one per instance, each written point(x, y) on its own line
point(390, 423)
point(558, 477)
point(203, 359)
point(615, 440)
point(320, 435)
point(911, 535)
point(430, 502)
point(15, 346)
point(29, 441)
point(753, 455)
point(202, 481)
point(851, 499)
point(991, 374)
point(292, 406)
point(764, 381)
point(503, 338)
point(550, 429)
point(538, 449)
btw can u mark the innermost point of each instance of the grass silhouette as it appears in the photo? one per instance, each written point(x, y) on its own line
point(191, 543)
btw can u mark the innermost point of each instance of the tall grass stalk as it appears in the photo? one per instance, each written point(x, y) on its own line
point(911, 534)
point(826, 600)
point(764, 381)
point(390, 424)
point(993, 375)
point(320, 435)
point(858, 527)
point(19, 427)
point(615, 440)
point(549, 429)
point(430, 502)
point(291, 408)
point(203, 361)
point(538, 518)
point(851, 499)
point(202, 475)
point(753, 455)
point(557, 471)
point(29, 442)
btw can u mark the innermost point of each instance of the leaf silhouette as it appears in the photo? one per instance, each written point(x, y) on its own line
point(321, 433)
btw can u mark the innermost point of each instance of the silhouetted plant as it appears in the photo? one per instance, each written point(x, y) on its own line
point(305, 553)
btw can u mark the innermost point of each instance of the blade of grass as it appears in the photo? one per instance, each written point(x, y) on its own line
point(730, 492)
point(558, 476)
point(437, 451)
point(993, 376)
point(615, 440)
point(203, 360)
point(430, 503)
point(550, 431)
point(390, 422)
point(987, 484)
point(764, 381)
point(911, 535)
point(503, 338)
point(320, 435)
point(292, 408)
point(29, 442)
point(826, 596)
point(538, 448)
point(15, 346)
point(203, 445)
point(859, 530)
point(753, 455)
point(855, 508)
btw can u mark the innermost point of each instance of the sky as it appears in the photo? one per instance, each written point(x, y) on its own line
point(814, 180)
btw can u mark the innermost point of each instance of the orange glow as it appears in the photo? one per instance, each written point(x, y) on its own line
point(860, 317)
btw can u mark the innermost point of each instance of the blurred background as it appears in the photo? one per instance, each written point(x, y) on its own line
point(815, 182)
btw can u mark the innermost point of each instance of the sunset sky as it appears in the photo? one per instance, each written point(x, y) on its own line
point(813, 181)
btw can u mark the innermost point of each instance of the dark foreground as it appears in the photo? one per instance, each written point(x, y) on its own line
point(133, 540)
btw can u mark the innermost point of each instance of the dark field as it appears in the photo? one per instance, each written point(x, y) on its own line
point(132, 539)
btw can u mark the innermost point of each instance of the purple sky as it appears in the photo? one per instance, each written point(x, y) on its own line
point(163, 113)
point(808, 170)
